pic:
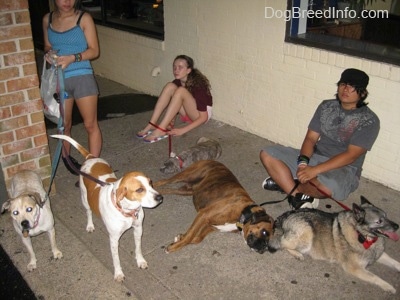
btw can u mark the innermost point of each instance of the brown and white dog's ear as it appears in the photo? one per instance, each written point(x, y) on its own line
point(5, 206)
point(120, 193)
point(37, 198)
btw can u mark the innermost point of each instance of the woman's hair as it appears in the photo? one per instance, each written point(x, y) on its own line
point(77, 5)
point(195, 78)
point(361, 92)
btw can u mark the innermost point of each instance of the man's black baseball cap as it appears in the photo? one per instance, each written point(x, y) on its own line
point(354, 77)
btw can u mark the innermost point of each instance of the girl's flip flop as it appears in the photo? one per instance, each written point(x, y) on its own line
point(140, 136)
point(159, 138)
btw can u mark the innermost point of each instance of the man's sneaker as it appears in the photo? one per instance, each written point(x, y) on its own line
point(301, 200)
point(270, 185)
point(74, 162)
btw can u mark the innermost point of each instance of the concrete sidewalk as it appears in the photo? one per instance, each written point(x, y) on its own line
point(221, 267)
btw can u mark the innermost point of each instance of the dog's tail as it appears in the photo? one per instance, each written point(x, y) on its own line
point(86, 154)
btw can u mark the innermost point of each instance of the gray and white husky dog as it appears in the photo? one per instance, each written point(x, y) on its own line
point(353, 238)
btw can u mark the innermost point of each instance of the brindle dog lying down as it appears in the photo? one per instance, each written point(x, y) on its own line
point(222, 204)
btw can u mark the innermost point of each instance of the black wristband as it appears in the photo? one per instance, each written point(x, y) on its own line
point(303, 160)
point(78, 57)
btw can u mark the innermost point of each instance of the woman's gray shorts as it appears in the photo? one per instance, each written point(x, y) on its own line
point(81, 86)
point(341, 182)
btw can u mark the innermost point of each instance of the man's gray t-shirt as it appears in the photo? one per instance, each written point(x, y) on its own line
point(339, 128)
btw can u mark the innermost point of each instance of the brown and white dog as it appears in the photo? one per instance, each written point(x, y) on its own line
point(31, 212)
point(221, 203)
point(119, 202)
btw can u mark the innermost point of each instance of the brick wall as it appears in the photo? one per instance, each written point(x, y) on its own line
point(23, 139)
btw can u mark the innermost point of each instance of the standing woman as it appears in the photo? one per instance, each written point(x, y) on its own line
point(189, 95)
point(72, 34)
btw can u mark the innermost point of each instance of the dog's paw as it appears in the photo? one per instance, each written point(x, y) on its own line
point(57, 254)
point(142, 264)
point(31, 266)
point(296, 254)
point(170, 248)
point(90, 228)
point(119, 277)
point(178, 238)
point(388, 288)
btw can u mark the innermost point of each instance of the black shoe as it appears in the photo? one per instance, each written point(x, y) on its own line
point(270, 185)
point(301, 200)
point(74, 162)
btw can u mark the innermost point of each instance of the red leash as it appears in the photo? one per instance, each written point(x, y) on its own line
point(170, 153)
point(326, 195)
point(169, 137)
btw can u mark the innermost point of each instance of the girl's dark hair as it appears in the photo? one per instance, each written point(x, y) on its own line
point(361, 92)
point(195, 77)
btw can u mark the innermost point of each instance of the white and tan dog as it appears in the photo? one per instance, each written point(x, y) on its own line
point(31, 212)
point(118, 202)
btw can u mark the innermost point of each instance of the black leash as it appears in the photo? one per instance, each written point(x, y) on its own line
point(88, 176)
point(59, 96)
point(278, 201)
point(319, 190)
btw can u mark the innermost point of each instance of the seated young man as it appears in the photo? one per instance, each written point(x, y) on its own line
point(330, 160)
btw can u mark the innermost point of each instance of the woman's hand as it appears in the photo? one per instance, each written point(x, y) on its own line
point(65, 61)
point(51, 57)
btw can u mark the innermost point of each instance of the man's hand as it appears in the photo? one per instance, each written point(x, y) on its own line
point(305, 173)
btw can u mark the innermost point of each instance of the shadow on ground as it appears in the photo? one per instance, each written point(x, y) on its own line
point(12, 284)
point(115, 106)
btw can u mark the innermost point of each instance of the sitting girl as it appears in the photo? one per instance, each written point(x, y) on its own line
point(189, 95)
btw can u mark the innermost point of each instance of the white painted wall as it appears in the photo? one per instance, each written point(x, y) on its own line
point(260, 83)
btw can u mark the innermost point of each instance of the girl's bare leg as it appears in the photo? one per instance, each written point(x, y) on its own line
point(180, 99)
point(162, 103)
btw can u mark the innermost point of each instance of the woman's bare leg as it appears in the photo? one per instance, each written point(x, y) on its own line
point(88, 109)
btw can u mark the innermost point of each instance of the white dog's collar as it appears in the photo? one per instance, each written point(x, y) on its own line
point(132, 213)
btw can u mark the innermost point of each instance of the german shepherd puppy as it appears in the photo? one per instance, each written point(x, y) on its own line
point(352, 238)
